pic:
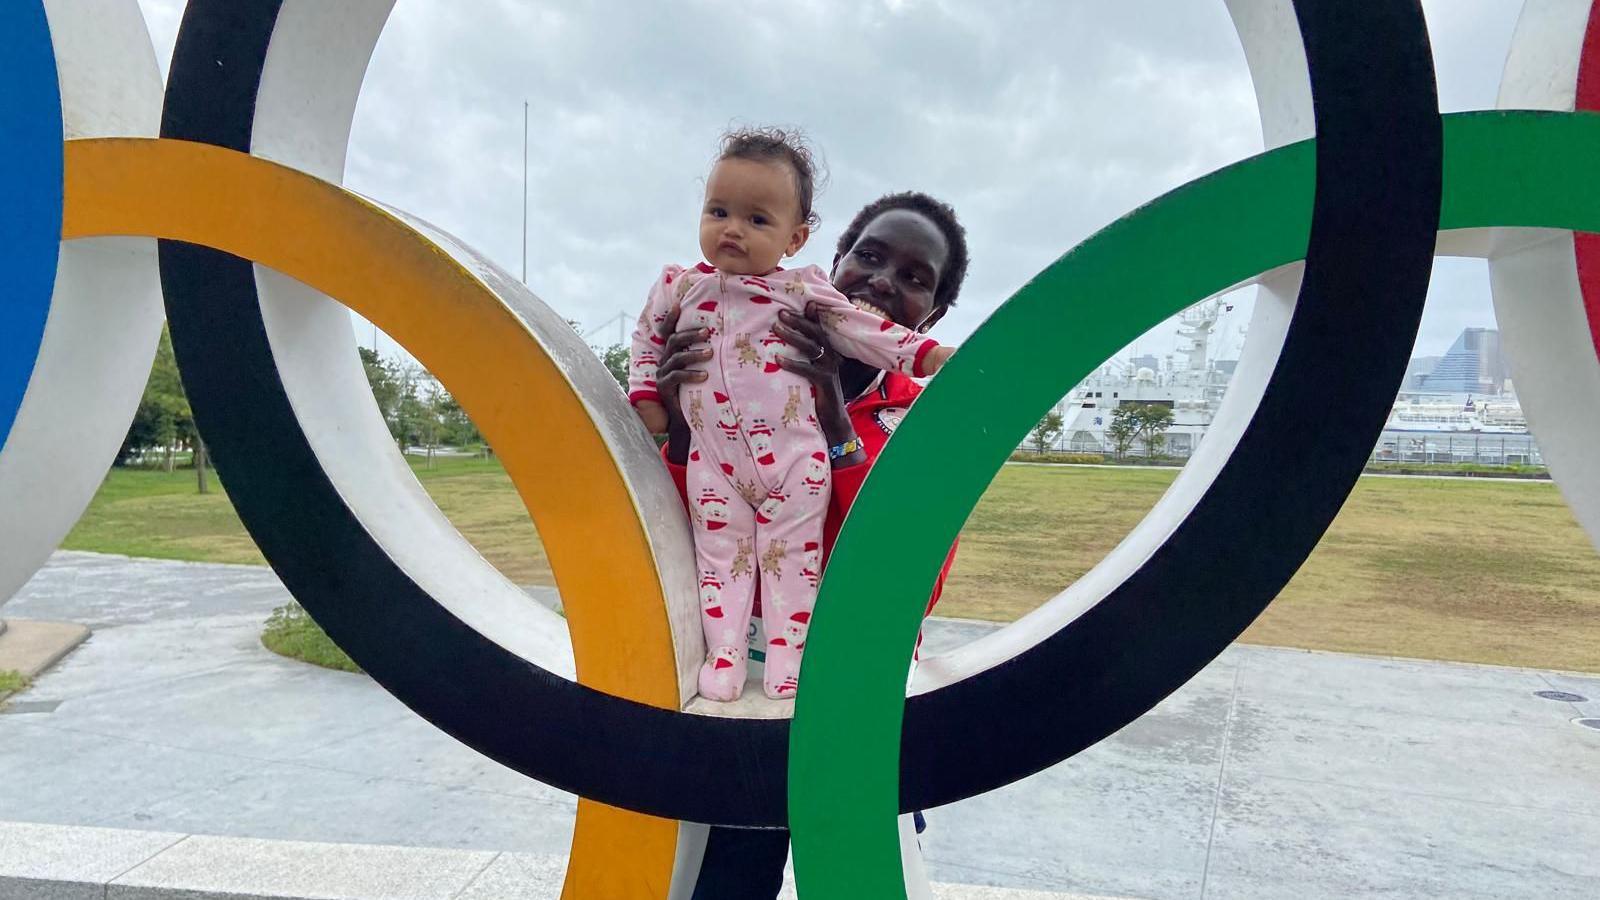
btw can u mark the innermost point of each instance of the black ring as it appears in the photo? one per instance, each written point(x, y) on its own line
point(1379, 160)
point(1372, 237)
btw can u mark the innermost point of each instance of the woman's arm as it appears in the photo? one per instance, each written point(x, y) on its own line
point(683, 352)
point(820, 366)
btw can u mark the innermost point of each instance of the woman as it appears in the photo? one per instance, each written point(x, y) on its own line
point(902, 257)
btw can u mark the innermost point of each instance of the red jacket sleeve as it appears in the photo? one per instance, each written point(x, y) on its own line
point(944, 572)
point(680, 477)
point(847, 482)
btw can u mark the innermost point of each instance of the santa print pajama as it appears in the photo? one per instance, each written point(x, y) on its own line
point(758, 471)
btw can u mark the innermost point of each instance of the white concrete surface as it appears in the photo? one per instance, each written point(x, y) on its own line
point(1274, 772)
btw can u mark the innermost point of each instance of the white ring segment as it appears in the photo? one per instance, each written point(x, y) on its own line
point(315, 65)
point(105, 314)
point(1549, 346)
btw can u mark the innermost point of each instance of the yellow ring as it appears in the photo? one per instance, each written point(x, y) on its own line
point(353, 250)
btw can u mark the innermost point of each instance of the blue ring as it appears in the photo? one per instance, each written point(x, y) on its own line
point(31, 179)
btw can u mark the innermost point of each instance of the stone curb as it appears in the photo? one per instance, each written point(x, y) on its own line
point(31, 646)
point(68, 862)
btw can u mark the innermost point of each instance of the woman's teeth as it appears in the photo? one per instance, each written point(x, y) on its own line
point(864, 305)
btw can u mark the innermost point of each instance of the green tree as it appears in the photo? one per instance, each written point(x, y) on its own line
point(1153, 420)
point(455, 429)
point(417, 409)
point(1048, 429)
point(1124, 428)
point(395, 389)
point(616, 358)
point(381, 378)
point(163, 421)
point(434, 406)
point(411, 410)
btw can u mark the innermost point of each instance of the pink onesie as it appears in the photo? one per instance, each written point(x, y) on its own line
point(758, 470)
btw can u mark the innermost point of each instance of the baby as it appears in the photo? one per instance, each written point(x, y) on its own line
point(759, 470)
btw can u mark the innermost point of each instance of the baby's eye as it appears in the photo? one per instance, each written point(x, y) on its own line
point(760, 221)
point(717, 212)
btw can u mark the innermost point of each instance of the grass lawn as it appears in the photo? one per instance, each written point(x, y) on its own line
point(148, 512)
point(1466, 569)
point(1469, 569)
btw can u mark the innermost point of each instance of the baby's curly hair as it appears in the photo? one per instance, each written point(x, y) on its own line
point(785, 146)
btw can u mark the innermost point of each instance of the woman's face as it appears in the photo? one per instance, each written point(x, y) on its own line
point(893, 269)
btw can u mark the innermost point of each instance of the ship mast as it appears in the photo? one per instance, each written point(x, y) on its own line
point(1195, 327)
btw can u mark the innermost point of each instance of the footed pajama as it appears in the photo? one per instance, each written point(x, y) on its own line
point(758, 471)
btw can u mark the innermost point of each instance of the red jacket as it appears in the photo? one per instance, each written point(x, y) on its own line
point(875, 416)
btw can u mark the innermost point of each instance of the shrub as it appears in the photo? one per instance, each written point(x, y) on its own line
point(293, 633)
point(11, 681)
point(1473, 470)
point(1080, 459)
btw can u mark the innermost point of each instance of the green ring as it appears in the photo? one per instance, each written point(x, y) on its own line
point(1501, 169)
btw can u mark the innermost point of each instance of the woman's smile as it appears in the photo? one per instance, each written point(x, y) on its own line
point(870, 307)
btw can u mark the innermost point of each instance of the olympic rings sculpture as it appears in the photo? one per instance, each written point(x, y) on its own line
point(255, 236)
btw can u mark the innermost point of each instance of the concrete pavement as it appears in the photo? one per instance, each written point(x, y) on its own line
point(1274, 772)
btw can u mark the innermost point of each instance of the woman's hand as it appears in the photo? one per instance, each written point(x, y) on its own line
point(684, 350)
point(818, 363)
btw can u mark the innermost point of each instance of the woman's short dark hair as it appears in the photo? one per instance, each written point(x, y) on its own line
point(943, 218)
point(784, 146)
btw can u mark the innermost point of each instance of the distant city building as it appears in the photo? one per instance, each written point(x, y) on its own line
point(1473, 365)
point(1457, 408)
point(1421, 367)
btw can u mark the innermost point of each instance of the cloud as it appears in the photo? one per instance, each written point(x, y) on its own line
point(1039, 121)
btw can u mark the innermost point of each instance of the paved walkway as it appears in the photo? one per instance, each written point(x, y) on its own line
point(1273, 773)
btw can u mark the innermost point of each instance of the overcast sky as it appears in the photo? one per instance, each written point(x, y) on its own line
point(1039, 121)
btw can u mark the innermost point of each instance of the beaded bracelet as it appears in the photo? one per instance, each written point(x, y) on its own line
point(839, 451)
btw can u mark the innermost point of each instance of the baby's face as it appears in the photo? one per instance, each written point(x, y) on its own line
point(751, 217)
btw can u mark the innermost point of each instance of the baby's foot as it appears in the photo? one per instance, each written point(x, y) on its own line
point(722, 675)
point(781, 677)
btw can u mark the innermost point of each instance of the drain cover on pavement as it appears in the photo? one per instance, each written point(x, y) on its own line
point(25, 707)
point(1562, 696)
point(1588, 723)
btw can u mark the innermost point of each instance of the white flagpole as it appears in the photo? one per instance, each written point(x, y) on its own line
point(524, 192)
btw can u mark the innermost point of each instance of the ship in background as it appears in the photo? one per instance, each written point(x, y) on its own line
point(1461, 407)
point(1188, 382)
